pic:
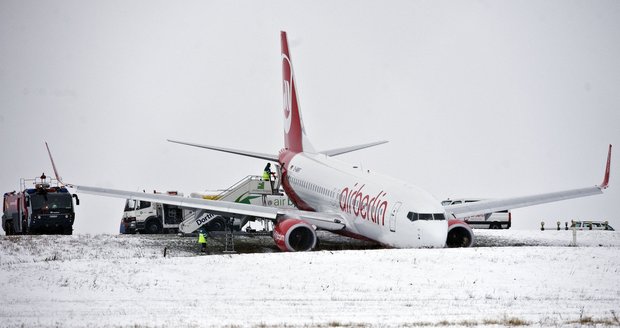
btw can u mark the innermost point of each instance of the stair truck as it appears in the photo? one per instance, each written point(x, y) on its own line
point(153, 218)
point(43, 208)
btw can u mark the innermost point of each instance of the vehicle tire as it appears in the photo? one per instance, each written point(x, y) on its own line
point(8, 228)
point(495, 225)
point(67, 231)
point(152, 227)
point(217, 224)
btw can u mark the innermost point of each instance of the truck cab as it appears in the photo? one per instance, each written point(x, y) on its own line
point(150, 217)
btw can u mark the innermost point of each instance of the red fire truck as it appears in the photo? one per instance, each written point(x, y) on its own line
point(44, 208)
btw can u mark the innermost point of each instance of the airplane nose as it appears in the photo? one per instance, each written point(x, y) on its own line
point(434, 234)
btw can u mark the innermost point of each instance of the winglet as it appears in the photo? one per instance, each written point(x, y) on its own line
point(53, 164)
point(605, 183)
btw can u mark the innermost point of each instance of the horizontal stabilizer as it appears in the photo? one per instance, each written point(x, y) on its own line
point(269, 157)
point(344, 150)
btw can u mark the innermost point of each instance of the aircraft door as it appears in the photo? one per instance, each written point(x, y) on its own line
point(393, 215)
point(277, 181)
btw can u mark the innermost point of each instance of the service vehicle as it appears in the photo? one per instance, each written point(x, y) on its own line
point(494, 220)
point(152, 217)
point(591, 225)
point(43, 208)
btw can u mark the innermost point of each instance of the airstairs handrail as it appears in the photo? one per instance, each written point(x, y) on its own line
point(233, 187)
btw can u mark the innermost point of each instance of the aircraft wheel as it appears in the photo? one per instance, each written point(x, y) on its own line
point(8, 228)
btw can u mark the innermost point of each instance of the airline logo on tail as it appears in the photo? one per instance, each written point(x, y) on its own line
point(287, 91)
point(293, 128)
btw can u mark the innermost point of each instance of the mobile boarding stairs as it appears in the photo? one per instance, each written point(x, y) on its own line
point(251, 185)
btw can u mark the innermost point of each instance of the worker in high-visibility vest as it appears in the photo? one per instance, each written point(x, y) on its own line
point(267, 172)
point(202, 240)
point(267, 175)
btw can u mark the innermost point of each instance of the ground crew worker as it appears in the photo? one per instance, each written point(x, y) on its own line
point(202, 240)
point(267, 172)
point(267, 175)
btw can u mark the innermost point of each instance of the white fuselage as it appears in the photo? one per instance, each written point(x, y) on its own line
point(374, 206)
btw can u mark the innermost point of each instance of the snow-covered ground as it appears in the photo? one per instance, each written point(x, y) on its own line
point(514, 277)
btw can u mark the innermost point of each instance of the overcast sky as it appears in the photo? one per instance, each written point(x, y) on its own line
point(477, 98)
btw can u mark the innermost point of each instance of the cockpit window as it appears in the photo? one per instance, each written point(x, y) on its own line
point(427, 217)
point(412, 216)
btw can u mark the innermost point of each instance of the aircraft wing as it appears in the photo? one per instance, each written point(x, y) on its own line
point(489, 206)
point(494, 205)
point(326, 221)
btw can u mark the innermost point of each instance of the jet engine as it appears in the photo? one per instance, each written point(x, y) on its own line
point(459, 234)
point(294, 235)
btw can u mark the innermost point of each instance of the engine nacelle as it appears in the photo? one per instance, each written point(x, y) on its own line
point(294, 235)
point(459, 234)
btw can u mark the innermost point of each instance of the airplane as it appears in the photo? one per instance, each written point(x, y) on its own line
point(343, 198)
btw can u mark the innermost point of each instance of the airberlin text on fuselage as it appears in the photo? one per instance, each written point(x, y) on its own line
point(362, 205)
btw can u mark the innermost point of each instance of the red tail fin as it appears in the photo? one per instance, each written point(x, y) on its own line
point(294, 134)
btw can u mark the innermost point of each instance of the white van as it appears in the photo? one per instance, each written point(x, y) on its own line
point(495, 220)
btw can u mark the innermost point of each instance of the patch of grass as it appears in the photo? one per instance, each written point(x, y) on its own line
point(468, 323)
point(505, 322)
point(589, 321)
point(515, 322)
point(613, 314)
point(52, 258)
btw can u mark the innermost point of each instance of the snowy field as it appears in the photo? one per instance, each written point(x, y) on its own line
point(512, 278)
